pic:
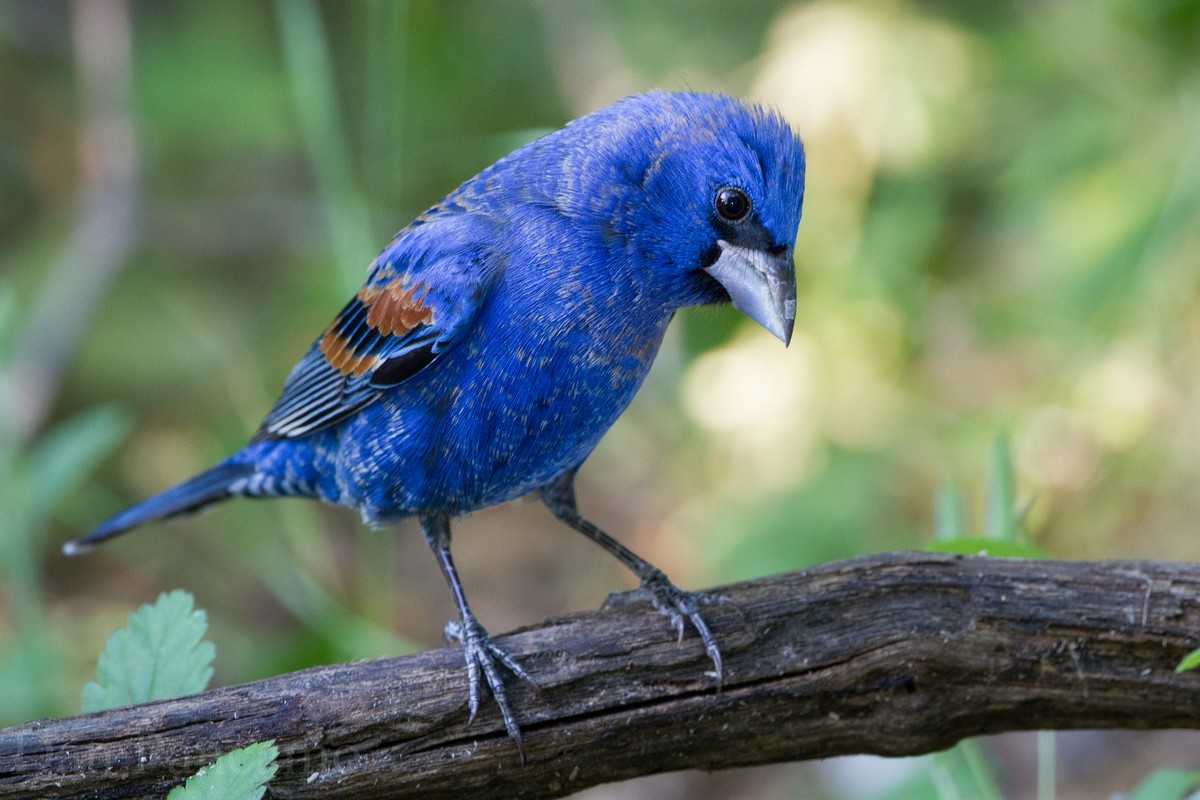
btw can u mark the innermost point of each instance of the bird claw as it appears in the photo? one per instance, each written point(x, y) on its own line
point(482, 656)
point(681, 607)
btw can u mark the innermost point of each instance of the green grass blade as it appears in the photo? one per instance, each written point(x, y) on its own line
point(949, 518)
point(67, 454)
point(1001, 520)
point(310, 72)
point(1167, 784)
point(1047, 763)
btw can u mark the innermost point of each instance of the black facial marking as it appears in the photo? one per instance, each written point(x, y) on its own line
point(749, 232)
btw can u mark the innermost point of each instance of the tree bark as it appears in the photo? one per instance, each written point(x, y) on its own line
point(896, 655)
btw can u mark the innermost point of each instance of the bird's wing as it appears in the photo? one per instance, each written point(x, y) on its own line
point(423, 293)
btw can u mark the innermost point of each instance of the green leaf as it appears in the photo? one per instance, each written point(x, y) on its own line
point(160, 655)
point(1189, 662)
point(1167, 784)
point(976, 546)
point(238, 775)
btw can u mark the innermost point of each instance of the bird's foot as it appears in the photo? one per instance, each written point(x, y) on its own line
point(680, 607)
point(484, 657)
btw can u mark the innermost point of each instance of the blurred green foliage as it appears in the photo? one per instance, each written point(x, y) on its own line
point(1001, 233)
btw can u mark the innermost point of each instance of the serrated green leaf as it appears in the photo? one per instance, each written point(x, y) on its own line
point(976, 546)
point(1189, 662)
point(1167, 784)
point(239, 775)
point(160, 655)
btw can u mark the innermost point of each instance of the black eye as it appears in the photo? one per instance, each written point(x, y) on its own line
point(732, 204)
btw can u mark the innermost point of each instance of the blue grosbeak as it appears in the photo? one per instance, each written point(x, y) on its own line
point(502, 332)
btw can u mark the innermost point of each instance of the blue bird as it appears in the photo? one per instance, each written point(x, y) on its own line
point(505, 329)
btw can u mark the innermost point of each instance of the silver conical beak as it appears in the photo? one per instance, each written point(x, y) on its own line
point(762, 286)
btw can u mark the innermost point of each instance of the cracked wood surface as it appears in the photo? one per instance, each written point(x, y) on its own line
point(894, 654)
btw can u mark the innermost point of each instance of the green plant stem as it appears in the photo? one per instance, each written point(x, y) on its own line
point(1046, 747)
point(310, 73)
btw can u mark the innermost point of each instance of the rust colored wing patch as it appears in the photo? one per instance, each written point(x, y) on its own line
point(383, 336)
point(355, 343)
point(396, 309)
point(423, 295)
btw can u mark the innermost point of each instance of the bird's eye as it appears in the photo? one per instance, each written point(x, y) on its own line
point(732, 204)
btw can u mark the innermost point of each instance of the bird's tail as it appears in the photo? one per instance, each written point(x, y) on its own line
point(219, 483)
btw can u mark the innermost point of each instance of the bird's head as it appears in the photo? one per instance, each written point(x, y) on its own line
point(708, 194)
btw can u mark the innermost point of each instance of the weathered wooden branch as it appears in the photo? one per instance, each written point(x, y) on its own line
point(895, 654)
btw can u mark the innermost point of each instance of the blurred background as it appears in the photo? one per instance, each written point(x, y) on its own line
point(1001, 237)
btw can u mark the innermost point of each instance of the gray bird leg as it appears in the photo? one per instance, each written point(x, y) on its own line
point(481, 653)
point(671, 601)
